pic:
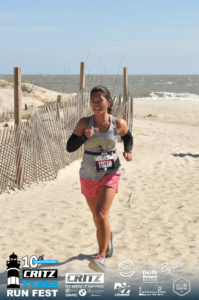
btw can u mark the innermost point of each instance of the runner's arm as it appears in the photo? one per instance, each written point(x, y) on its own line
point(77, 138)
point(125, 134)
point(128, 142)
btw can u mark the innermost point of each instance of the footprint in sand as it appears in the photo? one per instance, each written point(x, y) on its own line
point(60, 224)
point(44, 229)
point(70, 246)
point(44, 240)
point(157, 165)
point(42, 215)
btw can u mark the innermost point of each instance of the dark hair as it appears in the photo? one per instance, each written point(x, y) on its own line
point(106, 92)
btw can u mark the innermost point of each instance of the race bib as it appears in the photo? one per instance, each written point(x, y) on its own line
point(104, 162)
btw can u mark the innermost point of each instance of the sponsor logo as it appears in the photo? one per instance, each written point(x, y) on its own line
point(84, 278)
point(84, 284)
point(181, 286)
point(70, 293)
point(149, 275)
point(126, 268)
point(122, 289)
point(167, 268)
point(82, 292)
point(151, 292)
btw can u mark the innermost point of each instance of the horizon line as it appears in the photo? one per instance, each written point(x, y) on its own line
point(121, 74)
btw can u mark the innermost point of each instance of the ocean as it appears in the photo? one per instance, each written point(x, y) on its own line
point(178, 87)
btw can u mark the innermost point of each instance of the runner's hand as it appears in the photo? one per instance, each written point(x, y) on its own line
point(89, 132)
point(127, 156)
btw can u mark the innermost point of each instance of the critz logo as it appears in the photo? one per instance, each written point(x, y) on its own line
point(84, 278)
point(42, 273)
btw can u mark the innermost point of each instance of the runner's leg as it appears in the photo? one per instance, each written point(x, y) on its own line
point(92, 204)
point(91, 201)
point(103, 204)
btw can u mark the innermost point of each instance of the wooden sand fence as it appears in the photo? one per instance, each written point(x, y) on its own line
point(35, 150)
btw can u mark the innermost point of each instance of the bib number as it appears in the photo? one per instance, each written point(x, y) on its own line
point(104, 162)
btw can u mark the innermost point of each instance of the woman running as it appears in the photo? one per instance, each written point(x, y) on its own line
point(100, 168)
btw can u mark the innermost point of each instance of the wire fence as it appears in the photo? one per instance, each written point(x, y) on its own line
point(35, 150)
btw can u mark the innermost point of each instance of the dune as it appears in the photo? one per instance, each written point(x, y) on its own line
point(33, 96)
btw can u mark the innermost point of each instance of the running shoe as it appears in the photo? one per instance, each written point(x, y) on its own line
point(98, 264)
point(110, 250)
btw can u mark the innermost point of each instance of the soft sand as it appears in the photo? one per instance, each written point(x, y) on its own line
point(155, 215)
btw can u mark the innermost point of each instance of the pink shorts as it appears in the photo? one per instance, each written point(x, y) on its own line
point(90, 188)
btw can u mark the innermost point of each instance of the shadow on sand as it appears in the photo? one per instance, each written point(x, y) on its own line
point(185, 154)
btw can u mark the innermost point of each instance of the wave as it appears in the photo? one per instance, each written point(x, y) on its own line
point(169, 96)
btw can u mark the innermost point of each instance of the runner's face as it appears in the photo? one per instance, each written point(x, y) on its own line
point(99, 103)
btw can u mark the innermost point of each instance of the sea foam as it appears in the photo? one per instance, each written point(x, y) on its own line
point(170, 96)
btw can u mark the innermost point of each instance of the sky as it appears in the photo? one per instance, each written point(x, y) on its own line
point(54, 36)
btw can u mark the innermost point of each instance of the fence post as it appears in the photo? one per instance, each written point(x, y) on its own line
point(125, 88)
point(58, 107)
point(131, 111)
point(82, 76)
point(17, 95)
point(125, 82)
point(18, 129)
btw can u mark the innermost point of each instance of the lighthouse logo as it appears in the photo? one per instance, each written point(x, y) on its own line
point(13, 268)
